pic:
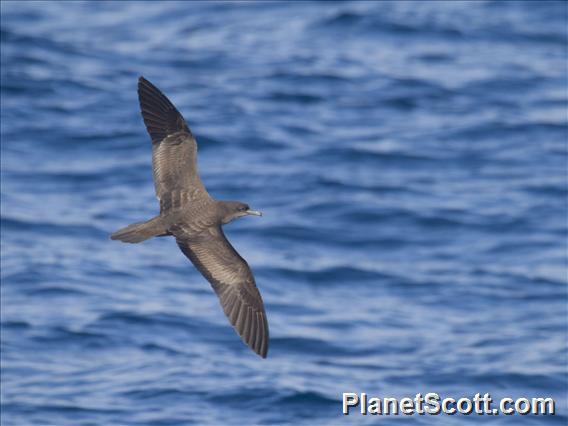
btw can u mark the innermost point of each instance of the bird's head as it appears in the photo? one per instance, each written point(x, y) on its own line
point(231, 210)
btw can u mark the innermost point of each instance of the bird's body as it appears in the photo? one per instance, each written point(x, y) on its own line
point(195, 219)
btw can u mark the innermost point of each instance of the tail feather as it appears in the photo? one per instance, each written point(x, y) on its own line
point(138, 232)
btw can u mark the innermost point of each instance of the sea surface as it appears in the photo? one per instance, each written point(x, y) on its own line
point(410, 160)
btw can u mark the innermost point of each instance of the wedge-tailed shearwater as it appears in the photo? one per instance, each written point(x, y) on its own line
point(195, 219)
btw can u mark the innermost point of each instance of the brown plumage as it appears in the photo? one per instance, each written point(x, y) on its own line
point(195, 219)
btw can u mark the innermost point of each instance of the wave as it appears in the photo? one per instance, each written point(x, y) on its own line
point(49, 228)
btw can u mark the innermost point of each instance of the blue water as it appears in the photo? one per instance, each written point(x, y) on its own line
point(410, 160)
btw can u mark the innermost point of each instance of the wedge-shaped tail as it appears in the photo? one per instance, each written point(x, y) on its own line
point(138, 232)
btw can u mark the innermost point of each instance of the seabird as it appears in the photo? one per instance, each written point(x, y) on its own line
point(195, 219)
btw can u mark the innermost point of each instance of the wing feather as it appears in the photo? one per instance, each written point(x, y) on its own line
point(174, 149)
point(160, 115)
point(232, 281)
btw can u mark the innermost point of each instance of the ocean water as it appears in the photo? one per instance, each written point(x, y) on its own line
point(410, 160)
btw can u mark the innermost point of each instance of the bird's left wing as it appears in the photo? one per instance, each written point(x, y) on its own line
point(174, 149)
point(233, 282)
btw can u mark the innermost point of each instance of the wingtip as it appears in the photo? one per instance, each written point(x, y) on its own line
point(264, 353)
point(142, 81)
point(160, 116)
point(259, 351)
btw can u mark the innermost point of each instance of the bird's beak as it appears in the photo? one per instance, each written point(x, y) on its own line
point(254, 212)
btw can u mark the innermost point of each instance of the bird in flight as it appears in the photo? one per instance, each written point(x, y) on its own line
point(195, 219)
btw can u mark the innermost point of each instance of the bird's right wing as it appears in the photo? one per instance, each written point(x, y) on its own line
point(174, 149)
point(233, 282)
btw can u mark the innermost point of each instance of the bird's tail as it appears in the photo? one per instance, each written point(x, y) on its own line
point(138, 232)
